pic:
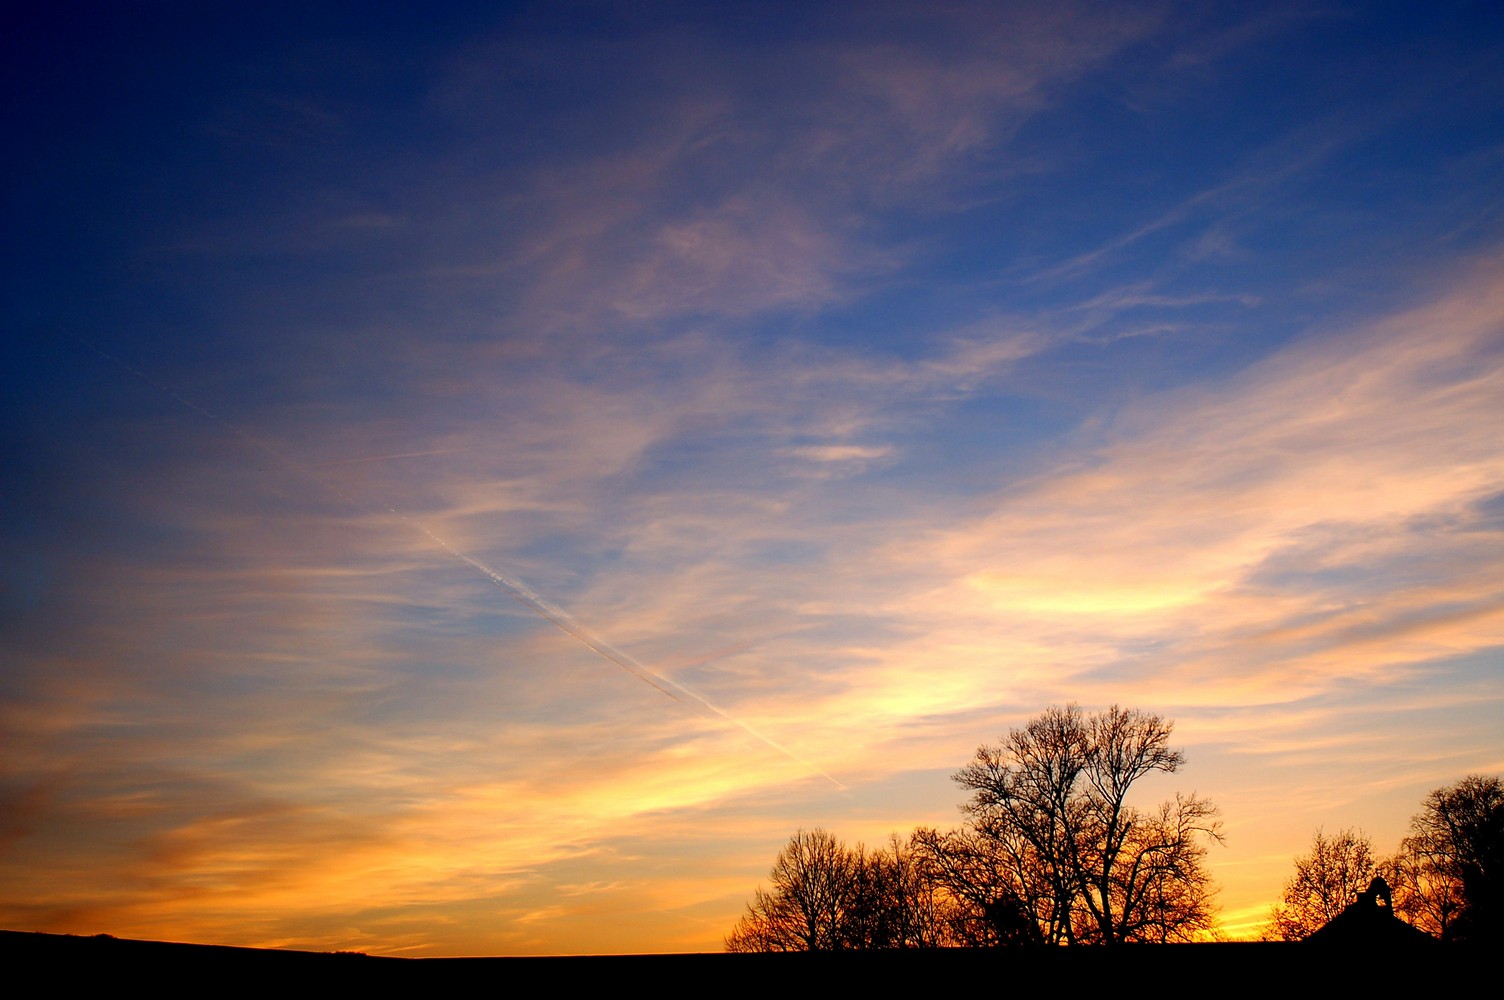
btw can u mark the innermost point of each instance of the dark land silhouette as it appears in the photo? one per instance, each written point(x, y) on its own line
point(1274, 965)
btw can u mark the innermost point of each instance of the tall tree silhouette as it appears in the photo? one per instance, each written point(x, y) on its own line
point(1451, 866)
point(1049, 808)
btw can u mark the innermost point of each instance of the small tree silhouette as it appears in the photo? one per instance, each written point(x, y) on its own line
point(1327, 878)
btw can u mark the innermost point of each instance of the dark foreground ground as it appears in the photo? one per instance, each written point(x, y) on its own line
point(1180, 971)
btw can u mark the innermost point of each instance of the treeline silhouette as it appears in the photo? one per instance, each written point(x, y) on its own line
point(1446, 879)
point(1051, 853)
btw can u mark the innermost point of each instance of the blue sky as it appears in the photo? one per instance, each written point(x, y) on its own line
point(867, 381)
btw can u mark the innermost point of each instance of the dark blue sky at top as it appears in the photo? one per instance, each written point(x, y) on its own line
point(175, 168)
point(135, 127)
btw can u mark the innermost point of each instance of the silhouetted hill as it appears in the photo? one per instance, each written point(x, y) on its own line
point(1200, 967)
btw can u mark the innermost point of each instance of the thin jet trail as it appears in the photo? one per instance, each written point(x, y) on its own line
point(397, 455)
point(514, 588)
point(566, 623)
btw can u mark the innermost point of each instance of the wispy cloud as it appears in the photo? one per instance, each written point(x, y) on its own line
point(1232, 529)
point(878, 380)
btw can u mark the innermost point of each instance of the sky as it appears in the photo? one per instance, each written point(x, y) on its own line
point(478, 479)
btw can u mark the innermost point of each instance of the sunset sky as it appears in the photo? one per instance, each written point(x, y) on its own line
point(477, 481)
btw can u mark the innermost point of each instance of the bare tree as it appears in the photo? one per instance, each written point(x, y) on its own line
point(812, 881)
point(1163, 891)
point(986, 904)
point(770, 924)
point(1451, 867)
point(824, 896)
point(1424, 893)
point(895, 903)
point(1050, 807)
point(1327, 878)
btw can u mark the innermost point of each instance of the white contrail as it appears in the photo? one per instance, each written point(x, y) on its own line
point(566, 623)
point(397, 455)
point(516, 589)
